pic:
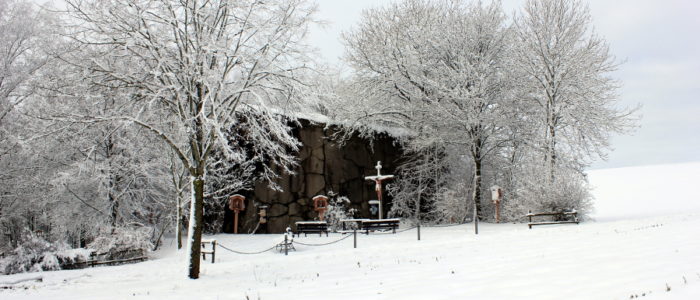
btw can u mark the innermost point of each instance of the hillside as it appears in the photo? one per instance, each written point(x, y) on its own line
point(645, 191)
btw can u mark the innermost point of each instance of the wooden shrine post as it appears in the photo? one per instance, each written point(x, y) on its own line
point(320, 206)
point(236, 203)
point(496, 197)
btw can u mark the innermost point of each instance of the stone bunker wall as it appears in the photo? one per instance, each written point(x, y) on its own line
point(324, 166)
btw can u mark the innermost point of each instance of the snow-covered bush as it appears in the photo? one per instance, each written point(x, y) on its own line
point(452, 206)
point(419, 183)
point(116, 243)
point(535, 190)
point(35, 254)
point(338, 210)
point(568, 192)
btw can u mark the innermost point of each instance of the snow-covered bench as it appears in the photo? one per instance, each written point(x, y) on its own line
point(573, 219)
point(311, 227)
point(368, 225)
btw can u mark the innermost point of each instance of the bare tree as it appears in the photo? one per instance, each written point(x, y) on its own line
point(25, 32)
point(566, 70)
point(199, 62)
point(27, 40)
point(420, 184)
point(444, 66)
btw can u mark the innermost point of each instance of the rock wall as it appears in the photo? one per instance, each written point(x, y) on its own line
point(324, 166)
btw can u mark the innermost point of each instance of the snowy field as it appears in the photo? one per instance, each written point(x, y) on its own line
point(622, 193)
point(625, 253)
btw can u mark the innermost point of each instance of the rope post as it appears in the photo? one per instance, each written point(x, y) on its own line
point(213, 250)
point(285, 245)
point(354, 234)
point(418, 231)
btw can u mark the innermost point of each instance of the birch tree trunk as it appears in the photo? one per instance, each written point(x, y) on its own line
point(194, 238)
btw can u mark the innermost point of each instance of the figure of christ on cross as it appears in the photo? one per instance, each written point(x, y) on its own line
point(378, 184)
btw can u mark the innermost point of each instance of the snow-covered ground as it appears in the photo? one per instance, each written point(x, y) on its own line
point(654, 190)
point(616, 257)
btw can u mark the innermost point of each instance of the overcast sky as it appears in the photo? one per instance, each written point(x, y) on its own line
point(659, 42)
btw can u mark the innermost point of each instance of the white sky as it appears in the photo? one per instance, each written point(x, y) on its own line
point(660, 43)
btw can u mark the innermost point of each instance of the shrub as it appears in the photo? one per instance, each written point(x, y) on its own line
point(122, 242)
point(338, 210)
point(35, 254)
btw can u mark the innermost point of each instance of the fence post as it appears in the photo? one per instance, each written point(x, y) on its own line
point(285, 245)
point(213, 251)
point(418, 231)
point(354, 237)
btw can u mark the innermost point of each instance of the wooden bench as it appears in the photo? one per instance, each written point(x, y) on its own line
point(368, 225)
point(311, 227)
point(573, 219)
point(208, 251)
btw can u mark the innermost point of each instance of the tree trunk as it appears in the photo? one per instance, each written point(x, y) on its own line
point(197, 172)
point(552, 152)
point(194, 238)
point(476, 194)
point(114, 207)
point(551, 156)
point(476, 185)
point(178, 221)
point(420, 194)
point(111, 184)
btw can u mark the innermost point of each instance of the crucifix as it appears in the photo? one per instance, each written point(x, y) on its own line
point(378, 184)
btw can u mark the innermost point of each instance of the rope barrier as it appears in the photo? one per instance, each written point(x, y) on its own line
point(323, 244)
point(331, 242)
point(391, 232)
point(445, 225)
point(243, 252)
point(407, 229)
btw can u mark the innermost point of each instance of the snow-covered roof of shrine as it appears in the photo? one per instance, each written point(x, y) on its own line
point(319, 118)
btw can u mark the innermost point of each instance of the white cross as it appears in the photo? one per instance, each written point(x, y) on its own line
point(379, 167)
